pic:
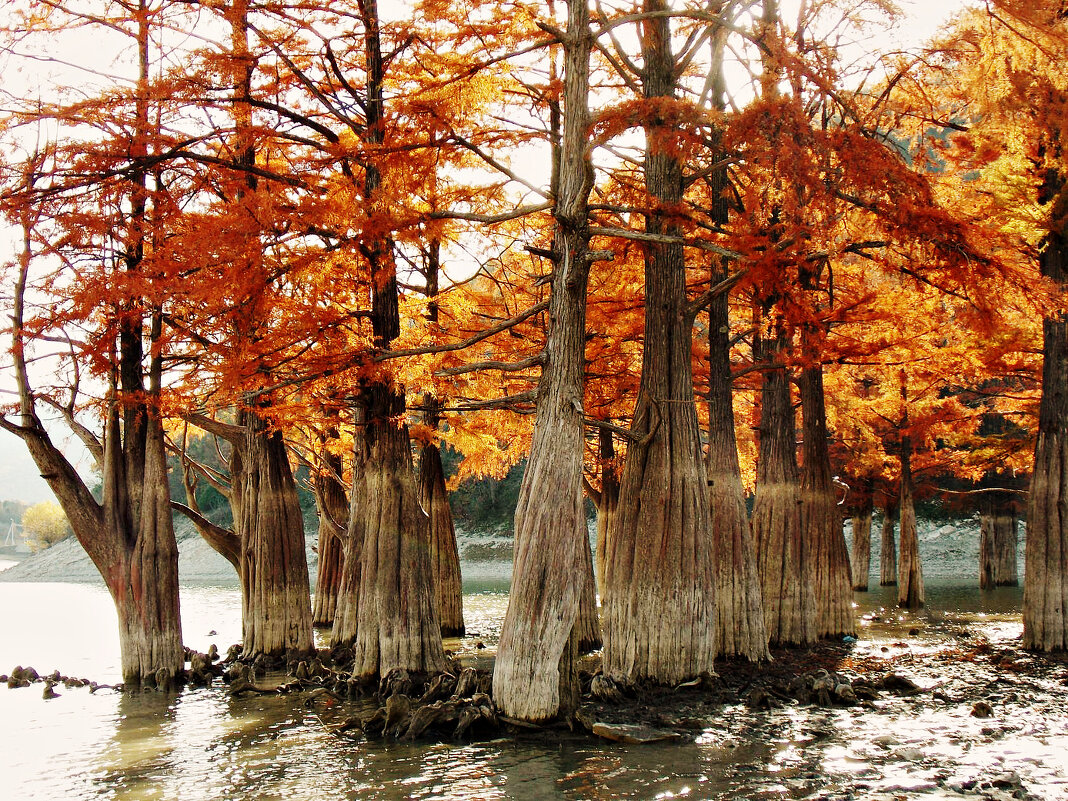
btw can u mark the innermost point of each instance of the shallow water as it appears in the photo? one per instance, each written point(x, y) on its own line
point(201, 744)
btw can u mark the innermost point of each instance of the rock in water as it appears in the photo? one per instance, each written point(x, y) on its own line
point(900, 684)
point(982, 709)
point(632, 734)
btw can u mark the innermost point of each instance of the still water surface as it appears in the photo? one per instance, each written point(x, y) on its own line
point(200, 744)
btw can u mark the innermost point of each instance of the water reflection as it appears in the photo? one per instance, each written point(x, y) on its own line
point(201, 744)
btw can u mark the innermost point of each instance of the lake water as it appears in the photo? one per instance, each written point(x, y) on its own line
point(201, 744)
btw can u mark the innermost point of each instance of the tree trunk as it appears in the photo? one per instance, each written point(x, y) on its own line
point(997, 540)
point(328, 575)
point(1005, 547)
point(860, 558)
point(534, 677)
point(386, 607)
point(887, 546)
point(397, 622)
point(1045, 613)
point(276, 608)
point(821, 521)
point(129, 535)
point(588, 624)
point(333, 509)
point(607, 501)
point(145, 587)
point(740, 629)
point(444, 554)
point(910, 593)
point(346, 610)
point(785, 570)
point(660, 594)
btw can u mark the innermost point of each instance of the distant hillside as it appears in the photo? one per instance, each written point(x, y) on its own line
point(197, 562)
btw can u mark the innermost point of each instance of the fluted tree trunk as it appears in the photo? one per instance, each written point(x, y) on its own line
point(346, 609)
point(740, 628)
point(327, 574)
point(588, 623)
point(660, 596)
point(397, 622)
point(997, 540)
point(784, 566)
point(821, 521)
point(534, 677)
point(1045, 613)
point(386, 609)
point(444, 553)
point(910, 591)
point(276, 609)
point(333, 507)
point(606, 500)
point(1006, 543)
point(860, 556)
point(266, 545)
point(887, 545)
point(785, 570)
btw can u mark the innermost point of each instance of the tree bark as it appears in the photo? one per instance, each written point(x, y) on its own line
point(740, 628)
point(860, 557)
point(785, 570)
point(143, 581)
point(333, 508)
point(1045, 613)
point(1005, 548)
point(534, 677)
point(910, 593)
point(607, 501)
point(397, 621)
point(660, 595)
point(887, 546)
point(444, 553)
point(588, 624)
point(821, 522)
point(386, 607)
point(128, 535)
point(276, 607)
point(346, 610)
point(997, 541)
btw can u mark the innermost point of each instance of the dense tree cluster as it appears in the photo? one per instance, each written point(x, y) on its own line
point(671, 254)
